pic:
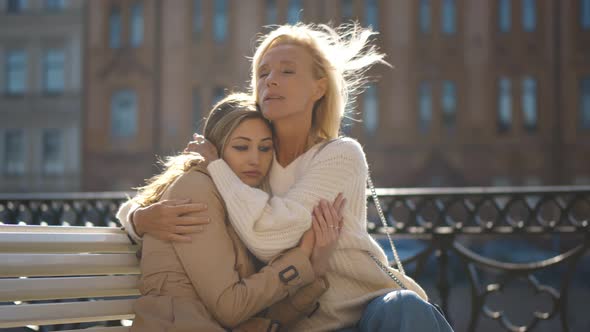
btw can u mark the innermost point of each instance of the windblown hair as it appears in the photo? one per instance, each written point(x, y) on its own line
point(342, 55)
point(223, 119)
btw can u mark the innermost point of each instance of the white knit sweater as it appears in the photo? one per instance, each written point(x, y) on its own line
point(268, 225)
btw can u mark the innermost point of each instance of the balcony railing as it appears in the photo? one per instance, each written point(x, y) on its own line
point(513, 259)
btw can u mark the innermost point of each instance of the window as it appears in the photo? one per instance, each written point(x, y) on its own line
point(271, 12)
point(53, 71)
point(197, 110)
point(124, 114)
point(501, 181)
point(529, 103)
point(585, 14)
point(449, 103)
point(582, 180)
point(425, 18)
point(371, 109)
point(372, 14)
point(218, 94)
point(293, 11)
point(585, 103)
point(504, 15)
point(449, 17)
point(55, 4)
point(115, 28)
point(529, 15)
point(347, 10)
point(437, 181)
point(53, 162)
point(220, 21)
point(16, 72)
point(136, 25)
point(14, 152)
point(425, 106)
point(15, 6)
point(504, 104)
point(532, 181)
point(197, 18)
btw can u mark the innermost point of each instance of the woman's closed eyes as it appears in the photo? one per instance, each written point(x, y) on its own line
point(243, 148)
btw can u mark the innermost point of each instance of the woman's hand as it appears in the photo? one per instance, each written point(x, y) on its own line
point(327, 225)
point(167, 220)
point(203, 147)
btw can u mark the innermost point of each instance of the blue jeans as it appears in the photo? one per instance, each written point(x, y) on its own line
point(400, 311)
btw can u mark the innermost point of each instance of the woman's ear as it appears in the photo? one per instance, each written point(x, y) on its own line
point(320, 88)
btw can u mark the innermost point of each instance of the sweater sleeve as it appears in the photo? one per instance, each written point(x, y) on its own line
point(124, 216)
point(269, 225)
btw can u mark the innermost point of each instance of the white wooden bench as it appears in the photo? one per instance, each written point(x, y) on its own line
point(92, 271)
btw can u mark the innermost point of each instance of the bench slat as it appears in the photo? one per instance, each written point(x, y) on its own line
point(37, 242)
point(57, 239)
point(32, 265)
point(65, 313)
point(102, 329)
point(62, 248)
point(37, 289)
point(58, 229)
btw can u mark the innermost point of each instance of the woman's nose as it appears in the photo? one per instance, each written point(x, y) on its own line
point(254, 157)
point(271, 80)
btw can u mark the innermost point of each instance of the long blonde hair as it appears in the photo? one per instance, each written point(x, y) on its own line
point(342, 55)
point(223, 119)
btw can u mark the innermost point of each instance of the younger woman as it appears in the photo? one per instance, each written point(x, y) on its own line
point(211, 283)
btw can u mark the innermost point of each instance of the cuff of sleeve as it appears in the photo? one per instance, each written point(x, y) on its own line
point(294, 269)
point(129, 226)
point(304, 300)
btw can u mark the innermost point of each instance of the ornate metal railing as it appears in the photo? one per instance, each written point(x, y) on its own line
point(464, 244)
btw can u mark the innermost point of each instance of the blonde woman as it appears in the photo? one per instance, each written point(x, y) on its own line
point(302, 78)
point(210, 283)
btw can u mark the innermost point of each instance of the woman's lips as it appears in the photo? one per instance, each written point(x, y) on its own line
point(252, 174)
point(273, 98)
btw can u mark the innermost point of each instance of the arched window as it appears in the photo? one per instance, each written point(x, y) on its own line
point(585, 14)
point(136, 25)
point(585, 103)
point(371, 109)
point(504, 104)
point(529, 103)
point(16, 72)
point(124, 113)
point(372, 14)
point(53, 70)
point(425, 105)
point(529, 15)
point(220, 21)
point(504, 15)
point(271, 12)
point(425, 16)
point(115, 28)
point(449, 17)
point(293, 11)
point(449, 103)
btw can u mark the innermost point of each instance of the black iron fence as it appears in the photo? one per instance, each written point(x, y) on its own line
point(513, 259)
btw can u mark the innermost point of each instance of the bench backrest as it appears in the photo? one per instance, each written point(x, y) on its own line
point(57, 275)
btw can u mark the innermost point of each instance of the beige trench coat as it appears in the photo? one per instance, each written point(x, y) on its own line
point(212, 284)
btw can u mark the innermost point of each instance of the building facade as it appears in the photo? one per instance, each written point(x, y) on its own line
point(41, 51)
point(480, 93)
